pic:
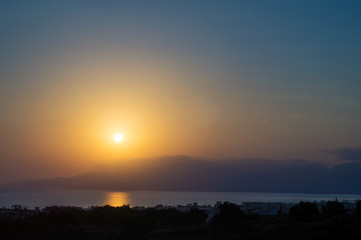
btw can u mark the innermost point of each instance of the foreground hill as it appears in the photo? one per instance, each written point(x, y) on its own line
point(182, 173)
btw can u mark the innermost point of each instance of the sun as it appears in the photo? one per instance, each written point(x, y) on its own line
point(118, 137)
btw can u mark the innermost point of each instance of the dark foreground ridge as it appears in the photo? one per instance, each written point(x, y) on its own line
point(306, 220)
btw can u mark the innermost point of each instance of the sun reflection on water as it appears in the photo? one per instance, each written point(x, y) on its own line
point(116, 199)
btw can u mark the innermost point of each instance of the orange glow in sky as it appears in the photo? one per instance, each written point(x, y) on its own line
point(173, 78)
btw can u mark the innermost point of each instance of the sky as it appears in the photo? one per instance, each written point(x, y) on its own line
point(216, 79)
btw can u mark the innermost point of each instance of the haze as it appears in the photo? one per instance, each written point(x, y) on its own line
point(214, 79)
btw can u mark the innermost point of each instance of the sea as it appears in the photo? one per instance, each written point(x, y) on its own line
point(86, 198)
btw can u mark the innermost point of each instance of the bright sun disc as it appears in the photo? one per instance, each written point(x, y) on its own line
point(118, 137)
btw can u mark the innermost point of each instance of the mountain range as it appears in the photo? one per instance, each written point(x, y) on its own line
point(184, 173)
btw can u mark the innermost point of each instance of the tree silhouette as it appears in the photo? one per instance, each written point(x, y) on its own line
point(334, 208)
point(229, 213)
point(304, 210)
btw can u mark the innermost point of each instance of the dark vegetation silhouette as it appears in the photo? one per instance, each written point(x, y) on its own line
point(229, 213)
point(304, 221)
point(358, 209)
point(334, 208)
point(304, 210)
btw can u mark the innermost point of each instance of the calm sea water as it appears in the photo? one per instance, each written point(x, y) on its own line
point(86, 198)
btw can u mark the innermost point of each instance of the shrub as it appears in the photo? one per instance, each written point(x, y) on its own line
point(304, 210)
point(334, 208)
point(229, 213)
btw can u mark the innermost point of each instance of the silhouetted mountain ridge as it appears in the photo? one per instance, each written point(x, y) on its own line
point(184, 173)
